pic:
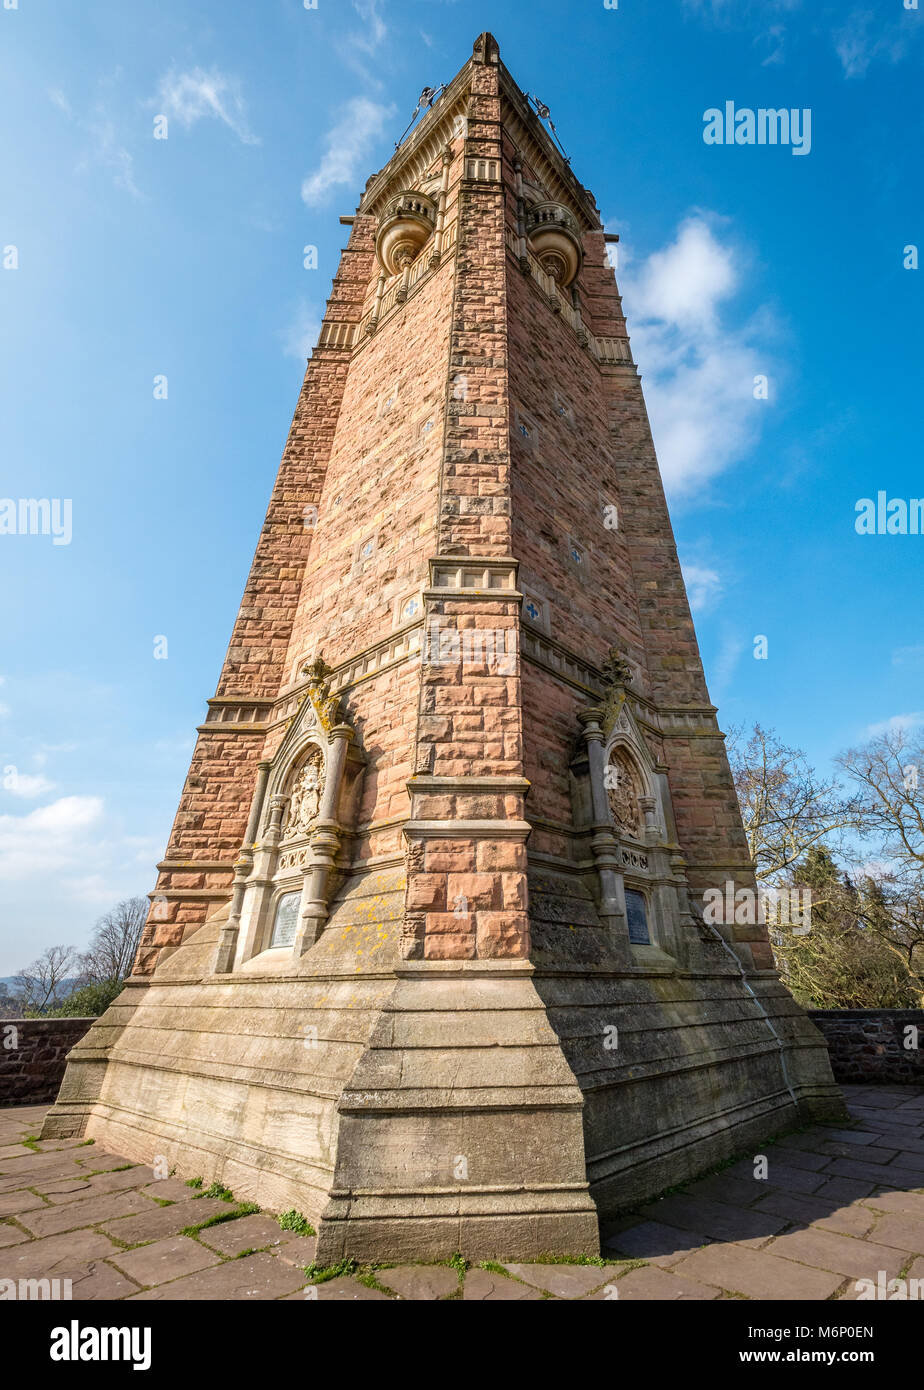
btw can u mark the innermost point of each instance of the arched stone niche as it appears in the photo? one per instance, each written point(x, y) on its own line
point(306, 796)
point(621, 799)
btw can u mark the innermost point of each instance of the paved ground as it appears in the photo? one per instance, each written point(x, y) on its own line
point(836, 1205)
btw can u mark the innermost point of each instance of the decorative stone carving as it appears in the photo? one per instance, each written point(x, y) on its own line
point(407, 223)
point(617, 674)
point(325, 705)
point(623, 791)
point(554, 238)
point(305, 798)
point(413, 927)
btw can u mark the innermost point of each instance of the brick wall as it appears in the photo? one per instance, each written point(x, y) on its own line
point(33, 1052)
point(869, 1044)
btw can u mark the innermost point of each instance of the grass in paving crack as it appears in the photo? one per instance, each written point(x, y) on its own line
point(242, 1209)
point(219, 1191)
point(459, 1263)
point(320, 1274)
point(193, 1182)
point(366, 1275)
point(296, 1223)
point(547, 1259)
point(31, 1141)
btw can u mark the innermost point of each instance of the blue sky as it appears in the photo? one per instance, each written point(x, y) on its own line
point(182, 257)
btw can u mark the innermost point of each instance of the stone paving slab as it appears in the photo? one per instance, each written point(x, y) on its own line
point(839, 1203)
point(650, 1283)
point(716, 1219)
point(98, 1282)
point(255, 1276)
point(420, 1281)
point(247, 1233)
point(342, 1290)
point(483, 1286)
point(655, 1242)
point(164, 1260)
point(69, 1215)
point(165, 1221)
point(757, 1274)
point(565, 1281)
point(853, 1220)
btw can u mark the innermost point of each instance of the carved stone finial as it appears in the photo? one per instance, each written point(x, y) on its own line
point(326, 705)
point(318, 671)
point(486, 49)
point(616, 670)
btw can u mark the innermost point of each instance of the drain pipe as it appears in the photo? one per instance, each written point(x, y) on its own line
point(744, 980)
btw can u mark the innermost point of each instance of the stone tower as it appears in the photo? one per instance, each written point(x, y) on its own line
point(427, 958)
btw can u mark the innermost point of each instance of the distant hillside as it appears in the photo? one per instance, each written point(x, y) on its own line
point(64, 988)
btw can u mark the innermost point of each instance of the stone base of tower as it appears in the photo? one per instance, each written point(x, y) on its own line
point(414, 1109)
point(698, 1076)
point(431, 1111)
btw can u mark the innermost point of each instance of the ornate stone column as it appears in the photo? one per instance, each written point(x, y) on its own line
point(325, 842)
point(604, 842)
point(227, 941)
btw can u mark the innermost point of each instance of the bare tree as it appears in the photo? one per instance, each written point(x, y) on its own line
point(115, 941)
point(786, 808)
point(40, 985)
point(891, 908)
point(889, 773)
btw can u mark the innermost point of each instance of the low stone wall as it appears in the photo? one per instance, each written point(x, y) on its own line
point(33, 1052)
point(870, 1044)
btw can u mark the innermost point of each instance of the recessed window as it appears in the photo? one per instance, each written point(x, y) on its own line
point(286, 920)
point(577, 555)
point(367, 549)
point(637, 916)
point(410, 609)
point(532, 610)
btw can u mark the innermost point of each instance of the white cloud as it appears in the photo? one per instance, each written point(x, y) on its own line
point(25, 784)
point(361, 48)
point(108, 151)
point(899, 723)
point(700, 372)
point(731, 650)
point(348, 144)
point(685, 283)
point(908, 656)
point(94, 889)
point(299, 339)
point(4, 709)
point(191, 96)
point(703, 586)
point(865, 38)
point(60, 100)
point(50, 839)
point(376, 30)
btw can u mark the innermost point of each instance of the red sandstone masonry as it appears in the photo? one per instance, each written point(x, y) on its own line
point(409, 445)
